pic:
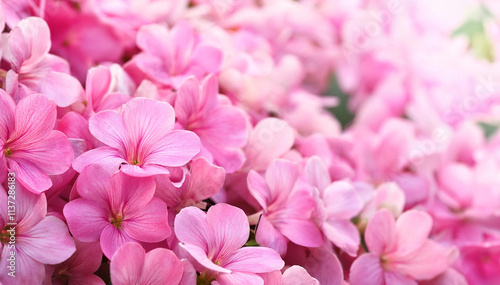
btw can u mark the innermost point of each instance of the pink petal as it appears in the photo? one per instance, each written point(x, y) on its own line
point(255, 260)
point(367, 270)
point(89, 279)
point(127, 264)
point(398, 278)
point(35, 117)
point(106, 156)
point(52, 155)
point(324, 265)
point(267, 235)
point(258, 188)
point(132, 194)
point(175, 149)
point(238, 278)
point(207, 58)
point(302, 232)
point(281, 177)
point(147, 170)
point(413, 228)
point(380, 233)
point(112, 239)
point(29, 42)
point(31, 208)
point(417, 265)
point(148, 225)
point(341, 200)
point(63, 88)
point(230, 228)
point(201, 257)
point(298, 275)
point(86, 219)
point(109, 128)
point(153, 39)
point(205, 179)
point(343, 234)
point(188, 100)
point(270, 139)
point(192, 228)
point(7, 107)
point(147, 121)
point(87, 258)
point(95, 183)
point(317, 173)
point(30, 176)
point(161, 267)
point(28, 270)
point(50, 234)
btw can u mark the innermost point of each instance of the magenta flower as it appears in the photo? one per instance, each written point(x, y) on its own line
point(286, 208)
point(116, 209)
point(132, 265)
point(169, 56)
point(79, 268)
point(222, 127)
point(39, 239)
point(29, 147)
point(34, 70)
point(140, 140)
point(215, 241)
point(399, 252)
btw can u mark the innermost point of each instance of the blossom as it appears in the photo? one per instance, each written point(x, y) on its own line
point(79, 268)
point(215, 241)
point(29, 146)
point(34, 70)
point(286, 208)
point(336, 204)
point(222, 128)
point(115, 209)
point(140, 141)
point(169, 56)
point(36, 234)
point(399, 251)
point(132, 265)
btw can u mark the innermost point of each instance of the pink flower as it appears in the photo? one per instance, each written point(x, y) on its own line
point(39, 239)
point(202, 182)
point(400, 252)
point(286, 208)
point(116, 209)
point(29, 147)
point(336, 204)
point(132, 265)
point(215, 241)
point(292, 276)
point(79, 268)
point(34, 70)
point(169, 56)
point(140, 140)
point(222, 127)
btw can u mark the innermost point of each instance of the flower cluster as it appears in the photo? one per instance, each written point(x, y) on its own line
point(252, 142)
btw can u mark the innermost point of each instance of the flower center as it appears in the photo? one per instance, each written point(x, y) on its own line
point(7, 234)
point(135, 162)
point(7, 152)
point(117, 221)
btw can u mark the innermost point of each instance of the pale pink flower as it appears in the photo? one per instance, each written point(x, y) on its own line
point(79, 268)
point(39, 239)
point(222, 127)
point(116, 208)
point(292, 276)
point(29, 147)
point(200, 183)
point(399, 252)
point(140, 141)
point(336, 204)
point(169, 56)
point(215, 239)
point(34, 70)
point(286, 208)
point(132, 265)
